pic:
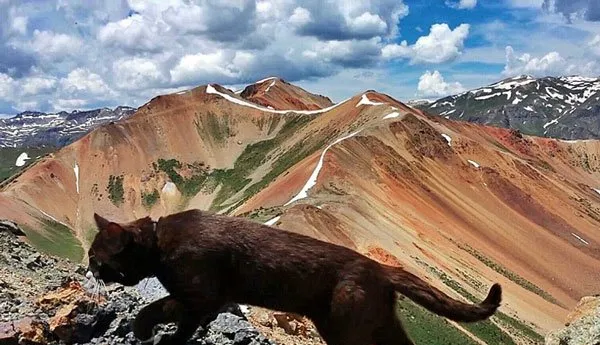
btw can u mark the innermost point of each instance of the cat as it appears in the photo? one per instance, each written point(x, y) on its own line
point(206, 261)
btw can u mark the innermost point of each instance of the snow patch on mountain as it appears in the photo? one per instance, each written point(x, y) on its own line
point(21, 160)
point(473, 163)
point(312, 180)
point(391, 115)
point(448, 139)
point(271, 222)
point(364, 100)
point(270, 85)
point(76, 171)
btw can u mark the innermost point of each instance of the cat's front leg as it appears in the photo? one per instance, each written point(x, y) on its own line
point(164, 310)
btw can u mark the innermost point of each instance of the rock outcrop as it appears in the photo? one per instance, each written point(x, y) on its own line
point(582, 326)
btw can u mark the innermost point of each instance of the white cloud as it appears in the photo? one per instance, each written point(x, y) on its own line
point(354, 52)
point(19, 25)
point(82, 81)
point(394, 51)
point(441, 45)
point(433, 84)
point(7, 85)
point(203, 67)
point(351, 19)
point(138, 73)
point(50, 45)
point(134, 33)
point(36, 85)
point(366, 24)
point(300, 17)
point(462, 4)
point(553, 63)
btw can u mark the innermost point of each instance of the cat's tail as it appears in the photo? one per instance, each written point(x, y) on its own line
point(438, 302)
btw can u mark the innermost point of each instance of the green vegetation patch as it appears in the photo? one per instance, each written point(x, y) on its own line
point(55, 239)
point(254, 155)
point(115, 190)
point(424, 327)
point(519, 327)
point(486, 330)
point(150, 199)
point(508, 274)
point(215, 126)
point(262, 214)
point(188, 186)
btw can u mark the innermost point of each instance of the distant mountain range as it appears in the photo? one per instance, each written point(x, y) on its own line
point(564, 107)
point(37, 129)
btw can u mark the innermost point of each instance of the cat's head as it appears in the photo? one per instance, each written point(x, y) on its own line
point(123, 253)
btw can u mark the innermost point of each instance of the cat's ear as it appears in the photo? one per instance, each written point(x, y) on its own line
point(115, 236)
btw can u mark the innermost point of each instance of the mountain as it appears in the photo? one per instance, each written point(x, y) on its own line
point(461, 204)
point(30, 135)
point(36, 129)
point(564, 107)
point(275, 93)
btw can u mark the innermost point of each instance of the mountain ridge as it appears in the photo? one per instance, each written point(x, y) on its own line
point(560, 107)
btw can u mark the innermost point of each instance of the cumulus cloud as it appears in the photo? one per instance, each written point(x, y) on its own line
point(350, 19)
point(462, 4)
point(81, 81)
point(136, 33)
point(571, 9)
point(7, 86)
point(553, 63)
point(441, 45)
point(300, 17)
point(138, 73)
point(37, 85)
point(106, 53)
point(348, 53)
point(432, 84)
point(218, 20)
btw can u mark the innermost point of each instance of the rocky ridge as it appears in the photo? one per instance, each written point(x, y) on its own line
point(564, 107)
point(46, 300)
point(582, 326)
point(35, 129)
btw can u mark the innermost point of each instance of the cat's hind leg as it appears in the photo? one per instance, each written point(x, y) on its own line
point(392, 333)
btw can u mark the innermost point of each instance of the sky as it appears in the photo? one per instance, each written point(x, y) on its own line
point(68, 54)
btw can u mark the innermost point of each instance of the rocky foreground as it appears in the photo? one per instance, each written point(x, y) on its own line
point(45, 300)
point(582, 326)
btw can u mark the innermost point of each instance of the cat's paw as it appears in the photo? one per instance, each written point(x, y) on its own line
point(167, 339)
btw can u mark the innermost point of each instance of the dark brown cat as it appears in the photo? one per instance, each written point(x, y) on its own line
point(206, 261)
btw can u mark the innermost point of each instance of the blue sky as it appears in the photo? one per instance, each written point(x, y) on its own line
point(67, 54)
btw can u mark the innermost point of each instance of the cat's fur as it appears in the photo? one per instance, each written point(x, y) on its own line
point(206, 261)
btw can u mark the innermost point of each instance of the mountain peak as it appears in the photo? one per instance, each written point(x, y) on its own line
point(276, 93)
